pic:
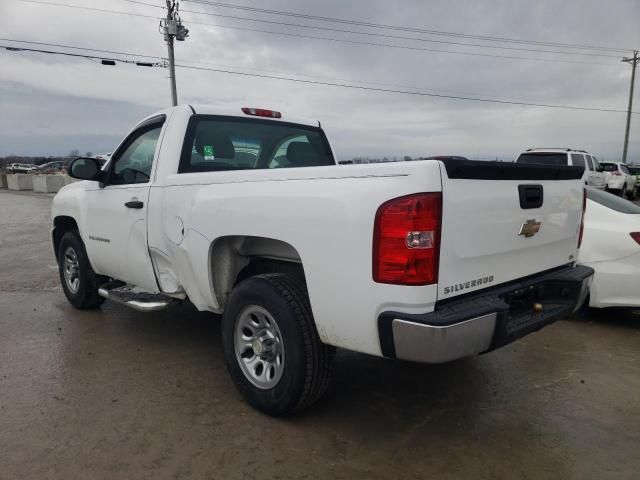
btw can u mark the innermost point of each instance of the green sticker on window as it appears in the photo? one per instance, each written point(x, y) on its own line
point(208, 150)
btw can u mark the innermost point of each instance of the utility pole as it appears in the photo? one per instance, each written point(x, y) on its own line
point(634, 62)
point(172, 28)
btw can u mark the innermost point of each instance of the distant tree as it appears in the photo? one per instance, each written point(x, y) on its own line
point(88, 154)
point(74, 153)
point(407, 158)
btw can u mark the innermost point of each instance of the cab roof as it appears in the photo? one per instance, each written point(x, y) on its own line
point(233, 112)
point(237, 112)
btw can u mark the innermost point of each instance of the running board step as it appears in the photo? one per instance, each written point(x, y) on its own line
point(134, 297)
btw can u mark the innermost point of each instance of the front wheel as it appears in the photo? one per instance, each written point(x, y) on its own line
point(272, 349)
point(79, 281)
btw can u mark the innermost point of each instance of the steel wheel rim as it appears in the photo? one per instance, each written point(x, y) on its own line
point(259, 347)
point(71, 269)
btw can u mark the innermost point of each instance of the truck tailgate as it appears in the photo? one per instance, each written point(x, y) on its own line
point(505, 221)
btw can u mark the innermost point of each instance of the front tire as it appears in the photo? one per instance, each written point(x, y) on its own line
point(271, 347)
point(79, 281)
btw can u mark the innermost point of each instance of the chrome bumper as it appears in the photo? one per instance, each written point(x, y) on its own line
point(438, 344)
point(486, 321)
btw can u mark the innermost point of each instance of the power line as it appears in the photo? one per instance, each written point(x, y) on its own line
point(366, 82)
point(93, 9)
point(371, 34)
point(405, 92)
point(80, 48)
point(402, 47)
point(352, 42)
point(13, 48)
point(323, 83)
point(407, 29)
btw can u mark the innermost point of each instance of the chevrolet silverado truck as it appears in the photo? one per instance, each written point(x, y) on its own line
point(247, 214)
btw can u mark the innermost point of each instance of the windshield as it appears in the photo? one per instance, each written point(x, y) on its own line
point(612, 201)
point(543, 158)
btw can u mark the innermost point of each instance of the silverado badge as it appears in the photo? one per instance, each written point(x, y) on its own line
point(530, 228)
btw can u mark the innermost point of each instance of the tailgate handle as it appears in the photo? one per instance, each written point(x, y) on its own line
point(531, 196)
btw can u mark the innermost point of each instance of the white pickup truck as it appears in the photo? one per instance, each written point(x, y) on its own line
point(247, 214)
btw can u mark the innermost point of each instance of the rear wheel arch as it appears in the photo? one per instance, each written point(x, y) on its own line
point(238, 257)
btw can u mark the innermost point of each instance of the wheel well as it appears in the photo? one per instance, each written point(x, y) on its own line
point(235, 258)
point(61, 225)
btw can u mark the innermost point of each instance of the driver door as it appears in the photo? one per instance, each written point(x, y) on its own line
point(116, 223)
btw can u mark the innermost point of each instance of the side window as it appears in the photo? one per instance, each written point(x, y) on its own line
point(590, 162)
point(135, 162)
point(625, 170)
point(596, 164)
point(577, 159)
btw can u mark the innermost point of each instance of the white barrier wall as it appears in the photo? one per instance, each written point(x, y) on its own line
point(20, 181)
point(48, 183)
point(3, 180)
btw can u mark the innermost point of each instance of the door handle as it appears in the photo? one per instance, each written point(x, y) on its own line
point(134, 204)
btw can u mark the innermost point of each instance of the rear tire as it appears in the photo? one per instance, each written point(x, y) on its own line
point(79, 281)
point(271, 347)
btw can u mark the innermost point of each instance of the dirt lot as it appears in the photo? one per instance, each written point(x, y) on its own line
point(115, 393)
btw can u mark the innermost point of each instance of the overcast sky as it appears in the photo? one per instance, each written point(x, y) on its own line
point(50, 105)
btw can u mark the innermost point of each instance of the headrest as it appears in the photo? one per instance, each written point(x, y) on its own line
point(302, 154)
point(209, 135)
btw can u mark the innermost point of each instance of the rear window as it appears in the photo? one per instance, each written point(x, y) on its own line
point(612, 201)
point(609, 167)
point(577, 159)
point(215, 143)
point(543, 158)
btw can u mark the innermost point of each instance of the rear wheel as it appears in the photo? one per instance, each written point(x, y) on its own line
point(271, 346)
point(79, 281)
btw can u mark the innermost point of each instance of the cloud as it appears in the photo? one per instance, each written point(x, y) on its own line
point(54, 104)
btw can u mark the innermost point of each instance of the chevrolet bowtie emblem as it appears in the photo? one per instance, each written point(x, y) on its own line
point(530, 228)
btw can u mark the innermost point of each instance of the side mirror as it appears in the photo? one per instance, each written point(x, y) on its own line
point(85, 168)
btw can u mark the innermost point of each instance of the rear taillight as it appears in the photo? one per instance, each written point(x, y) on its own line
point(616, 173)
point(406, 240)
point(635, 236)
point(584, 209)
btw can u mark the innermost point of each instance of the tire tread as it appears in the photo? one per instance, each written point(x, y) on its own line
point(90, 299)
point(319, 365)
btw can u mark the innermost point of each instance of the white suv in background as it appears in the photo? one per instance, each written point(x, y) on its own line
point(619, 179)
point(593, 175)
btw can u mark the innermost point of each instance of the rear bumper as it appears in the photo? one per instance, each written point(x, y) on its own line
point(484, 321)
point(615, 183)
